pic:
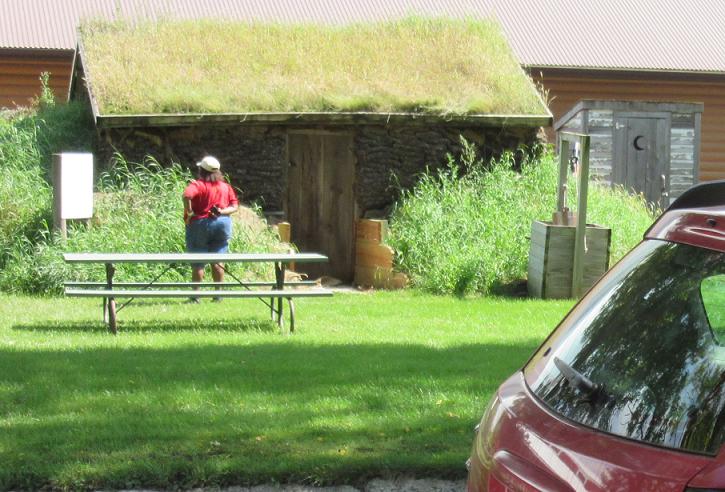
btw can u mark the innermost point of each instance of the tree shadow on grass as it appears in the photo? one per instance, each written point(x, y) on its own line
point(225, 414)
point(243, 325)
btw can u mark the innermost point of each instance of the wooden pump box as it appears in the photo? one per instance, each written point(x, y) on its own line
point(551, 258)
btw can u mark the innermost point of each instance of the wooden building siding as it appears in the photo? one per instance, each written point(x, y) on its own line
point(20, 75)
point(600, 125)
point(567, 87)
point(683, 146)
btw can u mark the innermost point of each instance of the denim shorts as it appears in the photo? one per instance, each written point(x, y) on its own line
point(209, 235)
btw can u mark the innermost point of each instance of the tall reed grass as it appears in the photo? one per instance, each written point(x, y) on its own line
point(465, 228)
point(25, 194)
point(137, 210)
point(137, 207)
point(28, 139)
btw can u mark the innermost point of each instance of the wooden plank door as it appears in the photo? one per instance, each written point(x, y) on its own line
point(320, 200)
point(641, 158)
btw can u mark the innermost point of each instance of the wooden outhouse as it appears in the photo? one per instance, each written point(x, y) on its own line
point(650, 147)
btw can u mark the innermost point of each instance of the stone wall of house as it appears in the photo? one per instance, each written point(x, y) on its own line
point(255, 157)
point(390, 158)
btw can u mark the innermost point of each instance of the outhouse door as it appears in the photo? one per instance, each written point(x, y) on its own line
point(641, 160)
point(320, 200)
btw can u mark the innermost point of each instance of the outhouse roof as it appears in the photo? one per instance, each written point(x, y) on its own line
point(629, 107)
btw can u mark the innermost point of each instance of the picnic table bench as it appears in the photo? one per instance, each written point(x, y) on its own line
point(271, 293)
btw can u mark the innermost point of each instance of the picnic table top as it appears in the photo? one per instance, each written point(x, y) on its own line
point(194, 257)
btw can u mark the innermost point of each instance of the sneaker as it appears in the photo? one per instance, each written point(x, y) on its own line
point(192, 300)
point(216, 299)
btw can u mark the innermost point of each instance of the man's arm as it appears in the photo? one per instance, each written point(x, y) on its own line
point(228, 210)
point(188, 211)
point(232, 204)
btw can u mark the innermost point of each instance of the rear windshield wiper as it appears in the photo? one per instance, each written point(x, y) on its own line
point(593, 393)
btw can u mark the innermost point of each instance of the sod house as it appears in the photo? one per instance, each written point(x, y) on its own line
point(319, 125)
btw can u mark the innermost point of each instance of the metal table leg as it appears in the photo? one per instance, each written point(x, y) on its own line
point(111, 304)
point(291, 315)
point(279, 285)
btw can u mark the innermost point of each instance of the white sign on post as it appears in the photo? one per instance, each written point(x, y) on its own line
point(72, 187)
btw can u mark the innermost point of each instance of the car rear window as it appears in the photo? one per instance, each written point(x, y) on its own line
point(643, 355)
point(713, 300)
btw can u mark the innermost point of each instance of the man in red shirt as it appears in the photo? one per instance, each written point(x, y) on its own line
point(208, 203)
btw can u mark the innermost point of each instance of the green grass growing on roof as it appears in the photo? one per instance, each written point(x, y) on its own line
point(434, 66)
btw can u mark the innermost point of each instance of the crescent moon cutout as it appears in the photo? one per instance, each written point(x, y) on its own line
point(637, 145)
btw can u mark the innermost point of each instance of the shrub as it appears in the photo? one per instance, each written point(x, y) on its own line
point(28, 139)
point(137, 209)
point(465, 228)
point(628, 216)
point(24, 191)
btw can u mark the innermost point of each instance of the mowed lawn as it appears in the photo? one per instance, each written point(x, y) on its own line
point(371, 384)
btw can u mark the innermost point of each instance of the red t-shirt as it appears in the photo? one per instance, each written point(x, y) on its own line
point(205, 194)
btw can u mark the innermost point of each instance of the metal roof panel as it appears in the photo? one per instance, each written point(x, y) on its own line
point(654, 35)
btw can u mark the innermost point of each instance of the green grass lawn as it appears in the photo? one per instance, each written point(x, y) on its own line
point(189, 395)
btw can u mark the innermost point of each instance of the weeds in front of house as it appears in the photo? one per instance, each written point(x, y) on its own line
point(414, 65)
point(137, 207)
point(28, 139)
point(627, 214)
point(137, 210)
point(465, 228)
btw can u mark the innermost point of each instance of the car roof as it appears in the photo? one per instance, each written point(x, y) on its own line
point(696, 218)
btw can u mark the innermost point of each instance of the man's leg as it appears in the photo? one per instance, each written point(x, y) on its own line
point(217, 273)
point(197, 275)
point(221, 232)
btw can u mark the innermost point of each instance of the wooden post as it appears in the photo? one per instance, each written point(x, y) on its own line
point(563, 174)
point(284, 230)
point(581, 226)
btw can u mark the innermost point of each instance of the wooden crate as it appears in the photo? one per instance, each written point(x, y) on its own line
point(551, 258)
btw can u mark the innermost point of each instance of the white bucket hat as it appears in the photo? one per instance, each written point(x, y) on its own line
point(209, 163)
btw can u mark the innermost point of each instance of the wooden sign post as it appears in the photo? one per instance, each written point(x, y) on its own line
point(72, 189)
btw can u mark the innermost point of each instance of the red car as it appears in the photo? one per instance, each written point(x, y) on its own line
point(628, 393)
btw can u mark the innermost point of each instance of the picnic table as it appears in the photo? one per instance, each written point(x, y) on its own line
point(266, 291)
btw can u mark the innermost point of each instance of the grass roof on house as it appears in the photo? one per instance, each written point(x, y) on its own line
point(427, 66)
